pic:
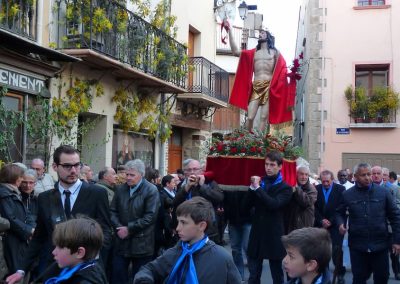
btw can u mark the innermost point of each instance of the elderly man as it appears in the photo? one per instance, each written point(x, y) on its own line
point(197, 184)
point(86, 174)
point(44, 180)
point(133, 215)
point(108, 180)
point(300, 211)
point(370, 207)
point(328, 199)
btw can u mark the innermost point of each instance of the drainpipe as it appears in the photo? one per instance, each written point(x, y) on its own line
point(39, 26)
point(161, 167)
point(322, 86)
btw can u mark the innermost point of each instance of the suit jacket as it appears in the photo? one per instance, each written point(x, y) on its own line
point(328, 210)
point(91, 201)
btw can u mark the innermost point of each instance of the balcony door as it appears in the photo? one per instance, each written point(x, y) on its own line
point(190, 54)
point(175, 150)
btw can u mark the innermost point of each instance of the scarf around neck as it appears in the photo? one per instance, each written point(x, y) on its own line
point(68, 272)
point(271, 180)
point(178, 270)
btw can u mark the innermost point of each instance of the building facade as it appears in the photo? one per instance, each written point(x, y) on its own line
point(353, 47)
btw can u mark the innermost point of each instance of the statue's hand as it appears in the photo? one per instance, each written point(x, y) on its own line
point(226, 24)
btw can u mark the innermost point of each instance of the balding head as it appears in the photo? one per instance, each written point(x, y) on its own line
point(38, 165)
point(376, 174)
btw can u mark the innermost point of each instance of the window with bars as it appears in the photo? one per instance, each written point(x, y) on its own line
point(371, 2)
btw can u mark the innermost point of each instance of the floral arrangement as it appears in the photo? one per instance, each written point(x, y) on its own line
point(295, 68)
point(242, 142)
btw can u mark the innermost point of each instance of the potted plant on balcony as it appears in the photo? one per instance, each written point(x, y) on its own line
point(386, 101)
point(358, 103)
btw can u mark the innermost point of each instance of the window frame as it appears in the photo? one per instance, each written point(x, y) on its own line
point(370, 68)
point(370, 3)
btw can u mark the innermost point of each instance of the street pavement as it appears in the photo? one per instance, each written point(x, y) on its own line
point(266, 274)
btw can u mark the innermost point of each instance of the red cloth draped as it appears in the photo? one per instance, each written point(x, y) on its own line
point(238, 170)
point(279, 102)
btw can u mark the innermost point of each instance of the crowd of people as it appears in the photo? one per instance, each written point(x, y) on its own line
point(129, 224)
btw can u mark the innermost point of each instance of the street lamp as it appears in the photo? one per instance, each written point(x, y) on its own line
point(243, 10)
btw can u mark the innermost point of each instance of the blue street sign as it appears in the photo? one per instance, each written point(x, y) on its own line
point(343, 131)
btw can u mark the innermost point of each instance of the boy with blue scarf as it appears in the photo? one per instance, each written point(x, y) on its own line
point(195, 259)
point(78, 242)
point(308, 252)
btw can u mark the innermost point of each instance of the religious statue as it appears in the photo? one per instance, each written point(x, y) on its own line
point(269, 89)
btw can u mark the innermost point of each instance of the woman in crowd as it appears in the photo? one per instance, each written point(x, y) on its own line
point(13, 209)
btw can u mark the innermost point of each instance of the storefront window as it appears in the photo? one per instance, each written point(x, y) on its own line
point(130, 146)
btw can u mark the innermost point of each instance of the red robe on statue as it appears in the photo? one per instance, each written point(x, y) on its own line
point(281, 96)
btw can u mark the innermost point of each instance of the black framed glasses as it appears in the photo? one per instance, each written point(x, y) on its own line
point(69, 166)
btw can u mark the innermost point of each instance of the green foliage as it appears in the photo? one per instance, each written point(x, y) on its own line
point(137, 112)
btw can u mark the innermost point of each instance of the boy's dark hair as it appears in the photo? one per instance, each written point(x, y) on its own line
point(393, 175)
point(10, 173)
point(275, 156)
point(80, 232)
point(197, 208)
point(180, 171)
point(166, 179)
point(63, 149)
point(312, 243)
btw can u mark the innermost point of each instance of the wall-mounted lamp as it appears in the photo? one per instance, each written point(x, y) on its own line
point(243, 8)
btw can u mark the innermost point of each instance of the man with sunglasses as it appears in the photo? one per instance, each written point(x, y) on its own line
point(69, 198)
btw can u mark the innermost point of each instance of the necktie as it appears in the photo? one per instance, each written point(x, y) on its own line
point(67, 204)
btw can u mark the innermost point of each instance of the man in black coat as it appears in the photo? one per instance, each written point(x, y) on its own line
point(329, 197)
point(70, 197)
point(134, 211)
point(370, 207)
point(269, 199)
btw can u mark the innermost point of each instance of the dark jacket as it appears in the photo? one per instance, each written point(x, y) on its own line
point(213, 265)
point(328, 210)
point(93, 274)
point(235, 211)
point(110, 189)
point(139, 213)
point(21, 225)
point(326, 279)
point(209, 191)
point(267, 224)
point(31, 204)
point(299, 212)
point(166, 221)
point(369, 210)
point(91, 201)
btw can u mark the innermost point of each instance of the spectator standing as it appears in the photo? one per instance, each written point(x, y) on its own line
point(70, 197)
point(342, 177)
point(269, 197)
point(133, 214)
point(44, 180)
point(370, 207)
point(12, 208)
point(328, 199)
point(300, 210)
point(108, 180)
point(4, 226)
point(28, 193)
point(86, 174)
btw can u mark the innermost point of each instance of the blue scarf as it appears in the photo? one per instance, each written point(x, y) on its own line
point(68, 272)
point(277, 180)
point(177, 272)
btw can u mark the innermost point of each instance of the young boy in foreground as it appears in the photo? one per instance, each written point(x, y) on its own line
point(195, 259)
point(308, 251)
point(78, 242)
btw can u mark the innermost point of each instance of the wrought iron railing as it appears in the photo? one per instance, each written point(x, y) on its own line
point(19, 17)
point(109, 28)
point(207, 78)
